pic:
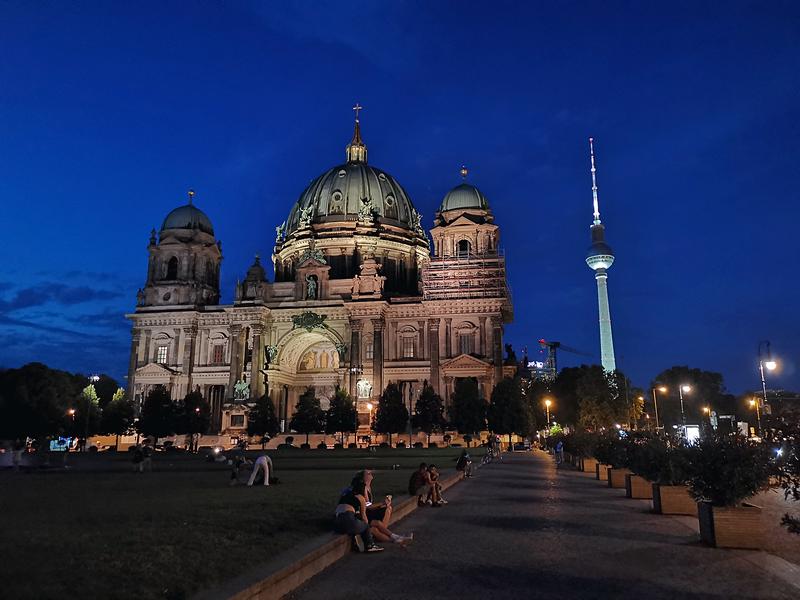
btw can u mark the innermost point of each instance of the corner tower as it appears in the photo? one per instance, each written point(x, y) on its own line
point(183, 268)
point(600, 258)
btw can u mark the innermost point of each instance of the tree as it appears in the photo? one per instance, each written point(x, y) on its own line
point(601, 397)
point(194, 417)
point(391, 415)
point(308, 415)
point(707, 389)
point(88, 414)
point(106, 387)
point(117, 416)
point(341, 415)
point(509, 411)
point(429, 411)
point(35, 400)
point(468, 409)
point(159, 414)
point(261, 419)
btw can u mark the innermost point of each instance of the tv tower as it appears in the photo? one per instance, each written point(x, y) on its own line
point(600, 258)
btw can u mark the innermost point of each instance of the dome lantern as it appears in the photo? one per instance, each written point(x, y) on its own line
point(356, 150)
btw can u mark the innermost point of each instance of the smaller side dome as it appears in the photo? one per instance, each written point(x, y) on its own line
point(188, 216)
point(464, 196)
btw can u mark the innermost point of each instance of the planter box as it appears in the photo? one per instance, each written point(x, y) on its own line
point(601, 472)
point(637, 486)
point(673, 500)
point(731, 526)
point(616, 478)
point(589, 465)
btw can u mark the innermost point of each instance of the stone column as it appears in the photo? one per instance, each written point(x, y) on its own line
point(355, 354)
point(235, 333)
point(173, 356)
point(484, 334)
point(189, 350)
point(421, 339)
point(448, 338)
point(497, 339)
point(133, 361)
point(378, 326)
point(433, 337)
point(257, 366)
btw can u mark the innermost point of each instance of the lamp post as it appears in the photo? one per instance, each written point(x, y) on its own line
point(355, 371)
point(767, 362)
point(754, 403)
point(663, 390)
point(547, 403)
point(683, 388)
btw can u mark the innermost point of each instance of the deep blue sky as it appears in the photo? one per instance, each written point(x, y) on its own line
point(108, 113)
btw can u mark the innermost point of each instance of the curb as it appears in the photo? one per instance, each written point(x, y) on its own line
point(296, 566)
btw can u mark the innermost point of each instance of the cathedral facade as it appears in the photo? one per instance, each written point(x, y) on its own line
point(360, 298)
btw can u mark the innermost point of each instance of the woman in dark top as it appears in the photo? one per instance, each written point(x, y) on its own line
point(350, 517)
point(379, 515)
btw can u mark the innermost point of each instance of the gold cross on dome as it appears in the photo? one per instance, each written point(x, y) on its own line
point(191, 196)
point(357, 108)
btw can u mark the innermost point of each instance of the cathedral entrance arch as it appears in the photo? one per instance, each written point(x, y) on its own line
point(305, 360)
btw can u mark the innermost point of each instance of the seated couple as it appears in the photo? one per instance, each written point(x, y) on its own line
point(356, 515)
point(425, 482)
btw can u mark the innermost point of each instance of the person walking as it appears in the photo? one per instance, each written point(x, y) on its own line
point(264, 464)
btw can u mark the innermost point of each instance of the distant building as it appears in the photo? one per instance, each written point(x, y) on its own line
point(358, 300)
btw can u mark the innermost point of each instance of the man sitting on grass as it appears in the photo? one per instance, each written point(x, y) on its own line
point(420, 484)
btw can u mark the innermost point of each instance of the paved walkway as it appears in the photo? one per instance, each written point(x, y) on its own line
point(523, 530)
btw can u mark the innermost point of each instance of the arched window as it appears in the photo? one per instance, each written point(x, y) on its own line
point(172, 268)
point(464, 248)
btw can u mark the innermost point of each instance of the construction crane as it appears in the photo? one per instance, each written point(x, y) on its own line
point(551, 364)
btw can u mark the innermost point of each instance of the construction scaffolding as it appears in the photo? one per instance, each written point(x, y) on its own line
point(465, 276)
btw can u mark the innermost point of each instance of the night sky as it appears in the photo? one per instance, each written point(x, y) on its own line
point(109, 113)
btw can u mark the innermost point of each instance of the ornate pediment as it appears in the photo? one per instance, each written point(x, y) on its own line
point(154, 370)
point(312, 255)
point(465, 362)
point(308, 320)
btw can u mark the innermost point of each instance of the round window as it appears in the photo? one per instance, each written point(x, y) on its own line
point(381, 176)
point(389, 201)
point(342, 173)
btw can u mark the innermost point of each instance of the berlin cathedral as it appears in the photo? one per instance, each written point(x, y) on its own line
point(361, 297)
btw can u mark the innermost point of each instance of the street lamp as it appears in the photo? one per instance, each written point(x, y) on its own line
point(754, 403)
point(681, 389)
point(663, 390)
point(767, 362)
point(547, 403)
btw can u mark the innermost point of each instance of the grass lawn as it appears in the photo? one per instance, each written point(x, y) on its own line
point(100, 531)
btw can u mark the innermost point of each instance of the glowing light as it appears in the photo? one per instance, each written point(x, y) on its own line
point(369, 405)
point(663, 389)
point(686, 388)
point(706, 410)
point(771, 365)
point(752, 402)
point(548, 402)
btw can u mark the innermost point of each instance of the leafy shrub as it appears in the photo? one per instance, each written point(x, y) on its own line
point(610, 450)
point(726, 469)
point(580, 443)
point(338, 446)
point(352, 445)
point(658, 459)
point(322, 446)
point(384, 445)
